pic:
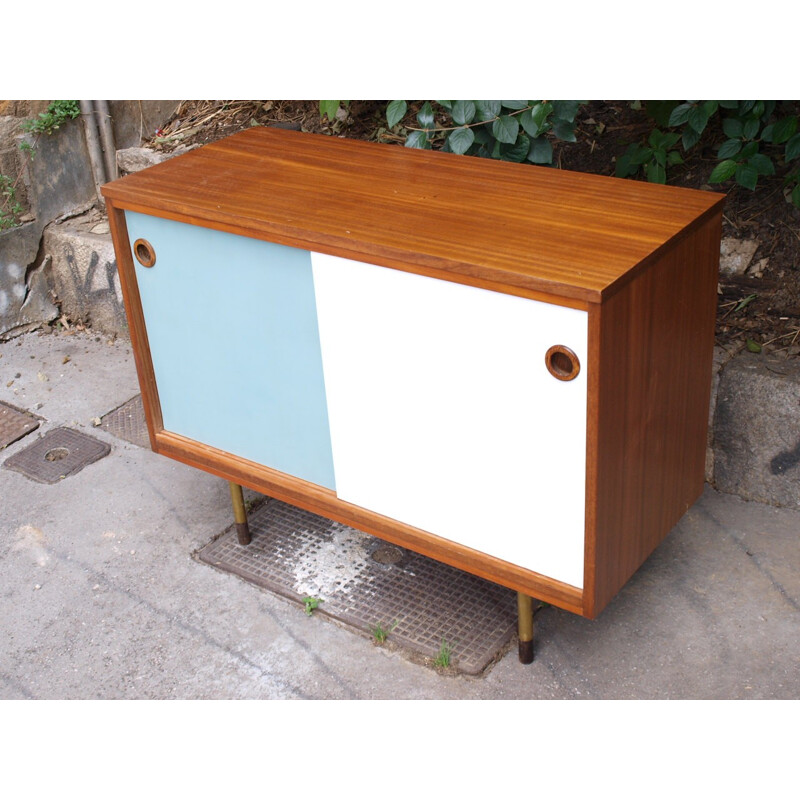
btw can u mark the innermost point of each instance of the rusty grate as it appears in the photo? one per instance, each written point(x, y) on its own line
point(57, 455)
point(364, 583)
point(14, 424)
point(128, 422)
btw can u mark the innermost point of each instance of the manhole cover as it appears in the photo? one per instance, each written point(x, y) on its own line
point(128, 422)
point(58, 454)
point(14, 424)
point(366, 583)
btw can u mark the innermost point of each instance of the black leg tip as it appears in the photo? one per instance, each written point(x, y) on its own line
point(243, 533)
point(526, 652)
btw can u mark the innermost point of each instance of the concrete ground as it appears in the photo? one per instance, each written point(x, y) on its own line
point(100, 596)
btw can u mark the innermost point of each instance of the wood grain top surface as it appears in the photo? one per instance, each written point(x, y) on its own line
point(565, 233)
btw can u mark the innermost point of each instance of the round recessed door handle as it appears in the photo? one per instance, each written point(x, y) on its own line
point(562, 363)
point(144, 252)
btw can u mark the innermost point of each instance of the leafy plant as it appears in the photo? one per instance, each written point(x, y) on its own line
point(758, 134)
point(56, 114)
point(10, 209)
point(510, 130)
point(653, 159)
point(311, 603)
point(444, 656)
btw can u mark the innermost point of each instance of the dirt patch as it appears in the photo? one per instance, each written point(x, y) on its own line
point(761, 305)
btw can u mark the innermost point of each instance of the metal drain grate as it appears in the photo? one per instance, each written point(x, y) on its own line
point(365, 582)
point(58, 454)
point(14, 424)
point(128, 422)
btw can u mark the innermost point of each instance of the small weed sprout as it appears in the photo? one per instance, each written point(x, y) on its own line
point(379, 633)
point(10, 209)
point(310, 604)
point(445, 655)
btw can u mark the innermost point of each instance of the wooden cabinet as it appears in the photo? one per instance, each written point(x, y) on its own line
point(501, 366)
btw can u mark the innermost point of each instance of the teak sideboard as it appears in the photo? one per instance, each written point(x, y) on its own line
point(503, 367)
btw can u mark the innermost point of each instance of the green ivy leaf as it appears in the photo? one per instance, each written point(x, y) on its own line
point(505, 129)
point(463, 112)
point(566, 109)
point(747, 176)
point(624, 166)
point(753, 347)
point(661, 157)
point(564, 130)
point(750, 129)
point(729, 148)
point(448, 104)
point(639, 154)
point(793, 148)
point(514, 105)
point(482, 135)
point(784, 130)
point(656, 173)
point(762, 164)
point(732, 128)
point(656, 138)
point(689, 138)
point(395, 112)
point(517, 151)
point(745, 106)
point(698, 119)
point(674, 157)
point(460, 140)
point(750, 149)
point(796, 196)
point(680, 114)
point(730, 104)
point(425, 115)
point(529, 124)
point(487, 109)
point(329, 107)
point(418, 140)
point(540, 113)
point(723, 171)
point(540, 151)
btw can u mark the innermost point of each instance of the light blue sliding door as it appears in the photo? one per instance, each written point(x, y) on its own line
point(232, 327)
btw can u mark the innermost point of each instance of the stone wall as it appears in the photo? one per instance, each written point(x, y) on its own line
point(55, 184)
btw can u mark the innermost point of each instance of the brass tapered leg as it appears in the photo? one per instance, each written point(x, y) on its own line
point(239, 513)
point(525, 623)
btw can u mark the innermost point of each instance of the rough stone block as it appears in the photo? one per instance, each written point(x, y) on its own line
point(84, 273)
point(24, 293)
point(136, 121)
point(757, 430)
point(133, 159)
point(59, 175)
point(735, 255)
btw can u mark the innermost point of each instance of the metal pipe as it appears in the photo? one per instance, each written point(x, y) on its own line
point(103, 116)
point(94, 146)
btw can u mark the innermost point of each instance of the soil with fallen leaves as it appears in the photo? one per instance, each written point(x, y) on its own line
point(758, 307)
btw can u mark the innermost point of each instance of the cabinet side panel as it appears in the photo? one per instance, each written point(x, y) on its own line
point(654, 384)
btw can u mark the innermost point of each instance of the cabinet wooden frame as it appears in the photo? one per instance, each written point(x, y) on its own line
point(651, 316)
